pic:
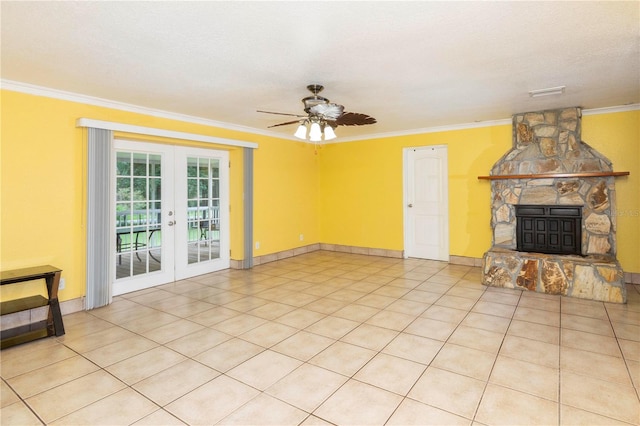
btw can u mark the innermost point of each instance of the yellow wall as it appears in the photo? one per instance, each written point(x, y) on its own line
point(361, 186)
point(43, 177)
point(285, 197)
point(345, 193)
point(617, 136)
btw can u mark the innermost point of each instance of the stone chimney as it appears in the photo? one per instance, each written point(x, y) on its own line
point(549, 143)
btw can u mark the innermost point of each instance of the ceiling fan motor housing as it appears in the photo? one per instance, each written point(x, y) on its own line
point(315, 88)
point(311, 101)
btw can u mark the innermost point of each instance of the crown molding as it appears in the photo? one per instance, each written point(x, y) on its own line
point(610, 110)
point(424, 130)
point(31, 89)
point(106, 103)
point(479, 124)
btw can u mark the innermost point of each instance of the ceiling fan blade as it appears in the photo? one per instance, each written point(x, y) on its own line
point(284, 124)
point(354, 119)
point(281, 113)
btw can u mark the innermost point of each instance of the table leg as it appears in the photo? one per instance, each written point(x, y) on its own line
point(137, 254)
point(54, 319)
point(148, 242)
point(119, 248)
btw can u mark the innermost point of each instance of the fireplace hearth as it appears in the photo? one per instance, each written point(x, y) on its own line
point(553, 211)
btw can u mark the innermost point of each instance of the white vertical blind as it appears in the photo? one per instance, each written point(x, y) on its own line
point(99, 143)
point(248, 208)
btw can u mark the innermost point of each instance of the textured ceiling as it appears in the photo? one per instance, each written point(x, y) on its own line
point(411, 65)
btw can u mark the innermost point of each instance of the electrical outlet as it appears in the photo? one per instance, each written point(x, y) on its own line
point(257, 245)
point(61, 284)
point(301, 237)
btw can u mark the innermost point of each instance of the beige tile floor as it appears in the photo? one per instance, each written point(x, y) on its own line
point(333, 338)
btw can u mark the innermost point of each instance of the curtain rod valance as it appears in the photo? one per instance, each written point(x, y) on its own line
point(151, 131)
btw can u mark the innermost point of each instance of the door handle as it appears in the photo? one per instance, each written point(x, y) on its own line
point(171, 223)
point(409, 205)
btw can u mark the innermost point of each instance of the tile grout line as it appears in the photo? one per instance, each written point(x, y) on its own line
point(486, 385)
point(307, 363)
point(24, 402)
point(626, 364)
point(352, 377)
point(560, 363)
point(355, 268)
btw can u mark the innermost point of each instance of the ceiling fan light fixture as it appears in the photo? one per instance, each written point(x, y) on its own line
point(315, 133)
point(301, 133)
point(329, 133)
point(322, 117)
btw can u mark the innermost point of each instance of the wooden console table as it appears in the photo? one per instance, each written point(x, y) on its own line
point(52, 325)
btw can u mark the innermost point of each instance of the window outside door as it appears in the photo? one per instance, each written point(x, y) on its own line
point(170, 216)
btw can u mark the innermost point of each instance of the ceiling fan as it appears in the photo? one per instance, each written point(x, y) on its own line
point(322, 117)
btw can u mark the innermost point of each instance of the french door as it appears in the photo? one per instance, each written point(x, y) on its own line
point(426, 214)
point(170, 213)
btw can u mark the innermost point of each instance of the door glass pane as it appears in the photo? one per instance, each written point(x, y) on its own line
point(123, 189)
point(140, 188)
point(192, 188)
point(138, 219)
point(154, 165)
point(140, 164)
point(123, 164)
point(204, 167)
point(203, 213)
point(192, 167)
point(215, 189)
point(155, 189)
point(204, 188)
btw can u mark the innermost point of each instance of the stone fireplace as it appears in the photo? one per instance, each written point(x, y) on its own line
point(548, 182)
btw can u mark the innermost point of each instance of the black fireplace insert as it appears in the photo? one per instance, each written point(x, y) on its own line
point(551, 229)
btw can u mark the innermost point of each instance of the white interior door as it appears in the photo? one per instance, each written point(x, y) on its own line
point(170, 214)
point(426, 203)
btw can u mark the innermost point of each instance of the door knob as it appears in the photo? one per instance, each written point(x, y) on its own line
point(171, 223)
point(409, 205)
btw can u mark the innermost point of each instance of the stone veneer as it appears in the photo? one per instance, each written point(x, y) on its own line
point(549, 142)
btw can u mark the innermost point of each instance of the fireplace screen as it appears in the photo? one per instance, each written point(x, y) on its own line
point(549, 229)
